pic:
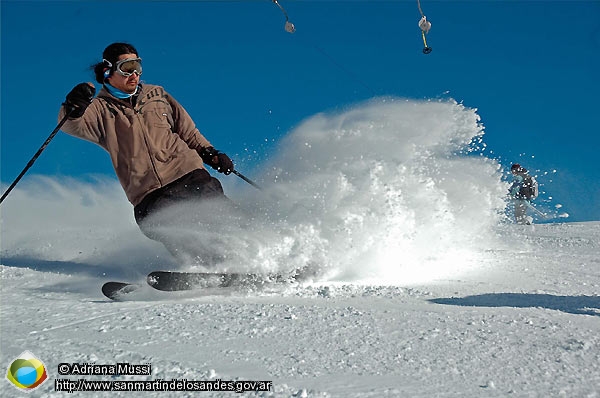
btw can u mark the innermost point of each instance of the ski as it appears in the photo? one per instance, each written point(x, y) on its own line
point(172, 281)
point(178, 281)
point(117, 290)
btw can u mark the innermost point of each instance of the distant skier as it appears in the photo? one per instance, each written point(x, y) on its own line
point(156, 150)
point(523, 190)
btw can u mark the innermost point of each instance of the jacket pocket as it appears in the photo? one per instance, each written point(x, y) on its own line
point(162, 118)
point(164, 156)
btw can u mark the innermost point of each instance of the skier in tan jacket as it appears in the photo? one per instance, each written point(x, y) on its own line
point(156, 150)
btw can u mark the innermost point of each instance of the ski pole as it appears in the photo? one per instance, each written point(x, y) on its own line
point(536, 210)
point(38, 153)
point(249, 181)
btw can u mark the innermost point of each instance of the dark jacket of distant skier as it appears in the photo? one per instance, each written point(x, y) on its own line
point(524, 186)
point(152, 141)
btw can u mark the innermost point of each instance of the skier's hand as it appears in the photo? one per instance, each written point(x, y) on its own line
point(79, 99)
point(217, 160)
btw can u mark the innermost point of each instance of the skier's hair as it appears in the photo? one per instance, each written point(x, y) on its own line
point(111, 54)
point(517, 168)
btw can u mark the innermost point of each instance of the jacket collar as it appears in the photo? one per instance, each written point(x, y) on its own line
point(131, 101)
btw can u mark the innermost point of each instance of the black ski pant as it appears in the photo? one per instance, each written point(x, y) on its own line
point(198, 184)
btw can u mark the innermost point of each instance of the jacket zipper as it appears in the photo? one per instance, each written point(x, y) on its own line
point(145, 135)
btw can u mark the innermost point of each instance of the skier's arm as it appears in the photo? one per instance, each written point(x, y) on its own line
point(513, 191)
point(185, 126)
point(187, 130)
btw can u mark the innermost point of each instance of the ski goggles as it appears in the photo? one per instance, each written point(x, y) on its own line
point(129, 66)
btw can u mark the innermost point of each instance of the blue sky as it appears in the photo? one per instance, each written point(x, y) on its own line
point(529, 67)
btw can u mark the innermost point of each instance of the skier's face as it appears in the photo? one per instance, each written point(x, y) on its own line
point(127, 84)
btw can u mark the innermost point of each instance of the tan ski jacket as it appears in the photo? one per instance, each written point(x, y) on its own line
point(151, 142)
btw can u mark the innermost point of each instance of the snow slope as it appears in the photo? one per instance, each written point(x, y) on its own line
point(422, 288)
point(527, 323)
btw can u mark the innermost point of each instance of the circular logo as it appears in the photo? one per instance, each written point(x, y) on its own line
point(26, 372)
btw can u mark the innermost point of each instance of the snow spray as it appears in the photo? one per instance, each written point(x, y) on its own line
point(390, 191)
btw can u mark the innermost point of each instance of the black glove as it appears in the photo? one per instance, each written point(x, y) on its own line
point(217, 160)
point(79, 99)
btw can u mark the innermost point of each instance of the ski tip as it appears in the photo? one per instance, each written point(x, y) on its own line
point(116, 290)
